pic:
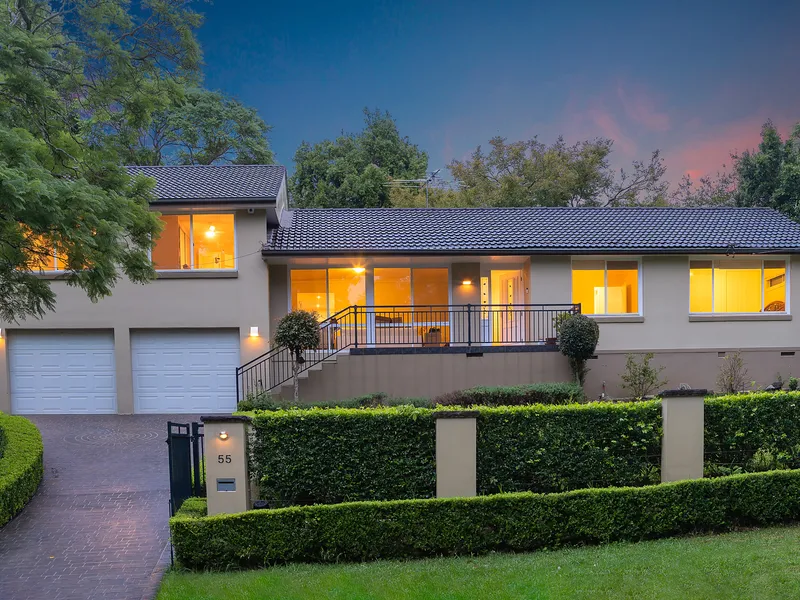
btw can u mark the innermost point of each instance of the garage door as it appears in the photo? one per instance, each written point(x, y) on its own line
point(185, 371)
point(65, 372)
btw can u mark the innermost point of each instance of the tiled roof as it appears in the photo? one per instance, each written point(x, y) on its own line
point(216, 182)
point(532, 230)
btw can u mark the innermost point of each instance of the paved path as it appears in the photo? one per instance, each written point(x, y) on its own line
point(98, 526)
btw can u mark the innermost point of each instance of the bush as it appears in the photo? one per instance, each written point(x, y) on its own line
point(752, 431)
point(560, 448)
point(640, 378)
point(793, 381)
point(364, 531)
point(341, 455)
point(2, 441)
point(578, 340)
point(298, 331)
point(535, 393)
point(267, 402)
point(732, 376)
point(21, 467)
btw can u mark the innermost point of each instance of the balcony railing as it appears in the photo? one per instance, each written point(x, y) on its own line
point(430, 326)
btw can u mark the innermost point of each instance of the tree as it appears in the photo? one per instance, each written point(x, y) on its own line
point(353, 169)
point(68, 71)
point(530, 173)
point(770, 177)
point(641, 378)
point(707, 191)
point(578, 337)
point(199, 127)
point(298, 331)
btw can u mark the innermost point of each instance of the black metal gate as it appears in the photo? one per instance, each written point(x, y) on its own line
point(187, 473)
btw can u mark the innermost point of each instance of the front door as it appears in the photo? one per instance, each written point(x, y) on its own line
point(502, 317)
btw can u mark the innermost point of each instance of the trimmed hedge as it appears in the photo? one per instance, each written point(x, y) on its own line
point(752, 432)
point(365, 531)
point(21, 467)
point(267, 402)
point(561, 448)
point(2, 441)
point(535, 393)
point(344, 455)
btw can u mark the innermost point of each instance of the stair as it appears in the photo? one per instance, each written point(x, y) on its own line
point(312, 356)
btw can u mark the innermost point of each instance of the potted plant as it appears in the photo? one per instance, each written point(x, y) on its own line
point(432, 337)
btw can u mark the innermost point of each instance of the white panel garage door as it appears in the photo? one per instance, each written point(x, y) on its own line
point(64, 372)
point(184, 371)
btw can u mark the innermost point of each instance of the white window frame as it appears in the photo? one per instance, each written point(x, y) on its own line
point(606, 259)
point(759, 257)
point(191, 215)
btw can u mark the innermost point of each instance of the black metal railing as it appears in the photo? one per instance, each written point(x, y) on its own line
point(464, 325)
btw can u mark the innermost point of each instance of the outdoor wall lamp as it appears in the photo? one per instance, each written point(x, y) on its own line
point(254, 332)
point(467, 282)
point(223, 435)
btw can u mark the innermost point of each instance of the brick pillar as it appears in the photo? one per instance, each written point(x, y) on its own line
point(225, 453)
point(456, 453)
point(682, 447)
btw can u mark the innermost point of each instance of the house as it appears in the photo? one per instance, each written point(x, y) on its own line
point(412, 302)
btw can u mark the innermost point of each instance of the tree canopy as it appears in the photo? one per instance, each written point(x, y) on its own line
point(69, 72)
point(353, 170)
point(531, 173)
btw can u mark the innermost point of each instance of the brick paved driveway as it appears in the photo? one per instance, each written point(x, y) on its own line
point(98, 526)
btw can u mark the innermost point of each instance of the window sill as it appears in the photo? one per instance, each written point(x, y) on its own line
point(198, 274)
point(752, 317)
point(617, 318)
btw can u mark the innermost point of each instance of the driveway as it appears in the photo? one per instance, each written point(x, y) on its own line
point(98, 526)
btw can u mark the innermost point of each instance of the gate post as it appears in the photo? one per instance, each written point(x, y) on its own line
point(226, 458)
point(456, 453)
point(682, 447)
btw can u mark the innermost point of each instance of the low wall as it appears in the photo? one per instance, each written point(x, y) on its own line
point(427, 375)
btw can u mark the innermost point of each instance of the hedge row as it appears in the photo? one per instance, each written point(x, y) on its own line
point(21, 467)
point(364, 531)
point(269, 402)
point(752, 432)
point(343, 455)
point(2, 441)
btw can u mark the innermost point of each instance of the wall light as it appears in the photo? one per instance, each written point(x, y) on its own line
point(254, 332)
point(467, 282)
point(223, 435)
point(358, 270)
point(1, 334)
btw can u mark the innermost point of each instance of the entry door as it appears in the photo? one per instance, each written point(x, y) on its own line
point(506, 323)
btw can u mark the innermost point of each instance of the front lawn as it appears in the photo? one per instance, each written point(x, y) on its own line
point(760, 564)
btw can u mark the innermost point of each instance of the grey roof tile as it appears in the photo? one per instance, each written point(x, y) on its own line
point(532, 230)
point(214, 182)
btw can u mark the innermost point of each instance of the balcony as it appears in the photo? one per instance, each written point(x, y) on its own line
point(402, 329)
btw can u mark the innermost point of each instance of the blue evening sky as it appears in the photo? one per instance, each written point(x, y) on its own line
point(695, 79)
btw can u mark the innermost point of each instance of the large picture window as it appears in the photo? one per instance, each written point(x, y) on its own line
point(746, 285)
point(196, 242)
point(606, 287)
point(327, 291)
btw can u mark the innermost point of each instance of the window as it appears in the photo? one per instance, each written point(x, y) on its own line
point(200, 242)
point(606, 287)
point(404, 287)
point(44, 258)
point(327, 291)
point(731, 285)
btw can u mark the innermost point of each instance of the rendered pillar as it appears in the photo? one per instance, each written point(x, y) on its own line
point(225, 452)
point(456, 453)
point(682, 445)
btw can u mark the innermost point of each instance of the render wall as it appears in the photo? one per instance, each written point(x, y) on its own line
point(183, 300)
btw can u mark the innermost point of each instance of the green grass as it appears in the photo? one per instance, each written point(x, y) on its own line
point(759, 564)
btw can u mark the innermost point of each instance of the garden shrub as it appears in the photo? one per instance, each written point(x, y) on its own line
point(560, 448)
point(534, 393)
point(21, 466)
point(2, 441)
point(752, 432)
point(364, 531)
point(267, 402)
point(578, 338)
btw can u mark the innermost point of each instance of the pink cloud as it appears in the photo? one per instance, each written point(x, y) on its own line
point(606, 124)
point(640, 108)
point(712, 152)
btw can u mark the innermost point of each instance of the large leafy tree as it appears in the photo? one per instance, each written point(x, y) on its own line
point(531, 173)
point(770, 176)
point(69, 70)
point(353, 169)
point(198, 127)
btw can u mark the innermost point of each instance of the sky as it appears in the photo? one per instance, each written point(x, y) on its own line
point(693, 79)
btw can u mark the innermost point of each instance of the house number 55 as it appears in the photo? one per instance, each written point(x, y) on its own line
point(223, 458)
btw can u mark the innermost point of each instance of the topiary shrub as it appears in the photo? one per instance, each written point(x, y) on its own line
point(298, 331)
point(21, 467)
point(516, 395)
point(578, 340)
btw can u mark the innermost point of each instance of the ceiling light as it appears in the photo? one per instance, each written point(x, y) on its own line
point(358, 269)
point(212, 231)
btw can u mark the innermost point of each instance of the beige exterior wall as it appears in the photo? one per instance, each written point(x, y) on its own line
point(456, 456)
point(682, 445)
point(426, 375)
point(185, 300)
